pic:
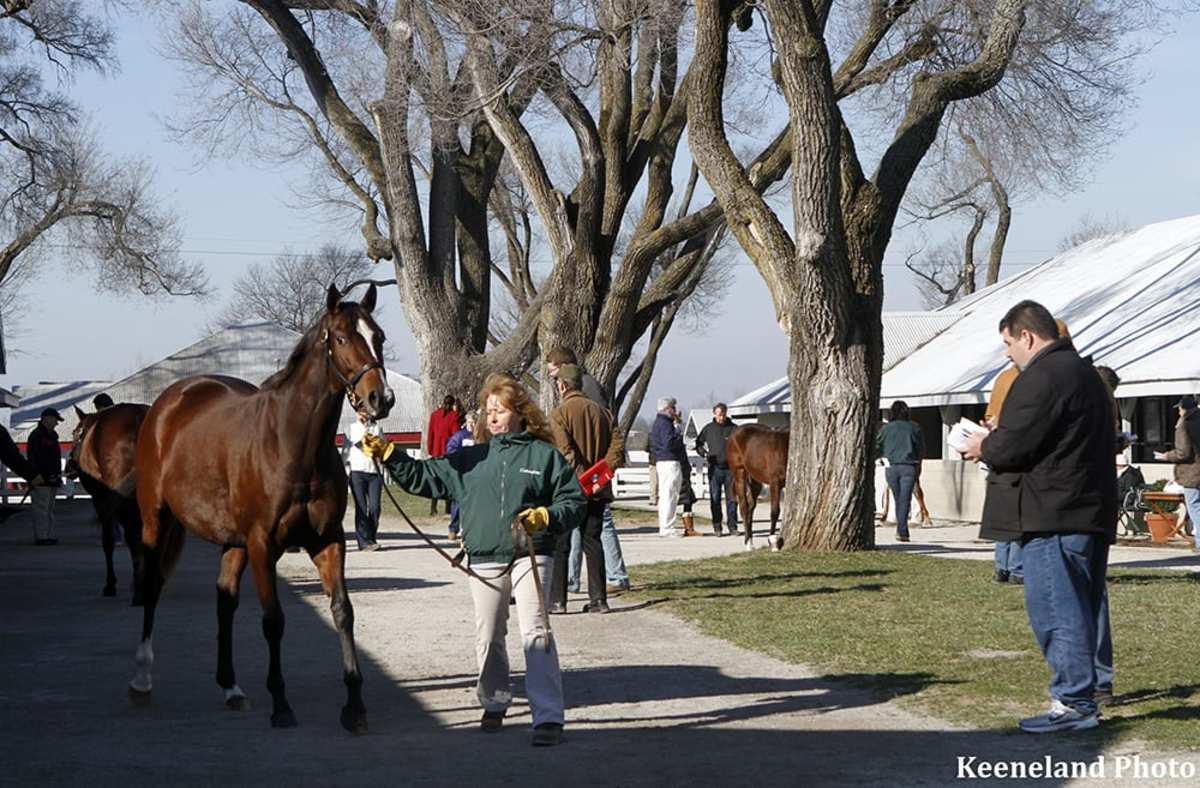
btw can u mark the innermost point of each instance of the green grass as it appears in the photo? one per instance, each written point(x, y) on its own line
point(940, 634)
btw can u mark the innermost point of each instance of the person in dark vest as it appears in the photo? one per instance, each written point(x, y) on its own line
point(1058, 435)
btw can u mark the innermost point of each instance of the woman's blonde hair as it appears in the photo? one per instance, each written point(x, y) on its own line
point(513, 396)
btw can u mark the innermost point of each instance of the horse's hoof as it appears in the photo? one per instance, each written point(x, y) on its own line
point(354, 721)
point(749, 547)
point(109, 590)
point(236, 700)
point(139, 697)
point(283, 719)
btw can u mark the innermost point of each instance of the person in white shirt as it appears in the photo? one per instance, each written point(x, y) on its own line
point(365, 483)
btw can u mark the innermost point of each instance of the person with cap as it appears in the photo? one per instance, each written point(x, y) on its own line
point(46, 459)
point(614, 558)
point(1186, 456)
point(366, 482)
point(1056, 438)
point(584, 433)
point(102, 402)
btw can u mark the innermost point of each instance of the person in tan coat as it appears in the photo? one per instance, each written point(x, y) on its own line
point(584, 432)
point(1186, 456)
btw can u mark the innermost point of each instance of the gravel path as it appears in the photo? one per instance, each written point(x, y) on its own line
point(650, 700)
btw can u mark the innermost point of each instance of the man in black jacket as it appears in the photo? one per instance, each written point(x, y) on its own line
point(46, 458)
point(710, 443)
point(1058, 433)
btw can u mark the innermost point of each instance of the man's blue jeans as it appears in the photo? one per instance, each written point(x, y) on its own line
point(1191, 499)
point(720, 482)
point(614, 561)
point(1067, 603)
point(1008, 558)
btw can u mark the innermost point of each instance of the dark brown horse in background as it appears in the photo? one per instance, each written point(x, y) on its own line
point(256, 471)
point(757, 457)
point(102, 455)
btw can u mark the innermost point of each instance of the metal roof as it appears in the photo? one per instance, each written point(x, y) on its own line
point(903, 334)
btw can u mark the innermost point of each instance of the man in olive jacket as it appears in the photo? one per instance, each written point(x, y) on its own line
point(1059, 434)
point(1186, 456)
point(584, 433)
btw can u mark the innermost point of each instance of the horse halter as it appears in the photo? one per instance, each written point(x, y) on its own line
point(349, 383)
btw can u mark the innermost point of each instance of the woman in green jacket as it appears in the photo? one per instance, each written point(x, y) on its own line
point(512, 473)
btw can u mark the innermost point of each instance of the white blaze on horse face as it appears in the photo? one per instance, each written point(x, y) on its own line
point(369, 335)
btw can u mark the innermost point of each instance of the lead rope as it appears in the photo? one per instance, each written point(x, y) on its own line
point(456, 561)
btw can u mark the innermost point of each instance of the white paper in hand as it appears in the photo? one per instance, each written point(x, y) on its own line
point(961, 432)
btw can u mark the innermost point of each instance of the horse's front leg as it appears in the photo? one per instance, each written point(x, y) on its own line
point(262, 561)
point(233, 563)
point(330, 561)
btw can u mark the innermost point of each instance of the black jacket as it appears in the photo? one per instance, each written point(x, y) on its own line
point(11, 456)
point(1058, 435)
point(44, 452)
point(710, 443)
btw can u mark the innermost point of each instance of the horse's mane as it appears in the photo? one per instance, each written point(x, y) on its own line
point(296, 358)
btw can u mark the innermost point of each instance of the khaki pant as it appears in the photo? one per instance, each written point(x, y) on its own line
point(670, 479)
point(543, 680)
point(41, 499)
point(653, 485)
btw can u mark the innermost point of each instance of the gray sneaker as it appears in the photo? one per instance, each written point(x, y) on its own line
point(1060, 718)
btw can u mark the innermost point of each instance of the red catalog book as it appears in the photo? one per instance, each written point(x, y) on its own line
point(595, 478)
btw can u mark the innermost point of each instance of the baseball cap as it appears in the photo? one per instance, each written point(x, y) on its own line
point(51, 412)
point(1187, 403)
point(570, 373)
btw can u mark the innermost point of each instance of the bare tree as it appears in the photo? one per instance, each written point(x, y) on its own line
point(1090, 227)
point(1056, 114)
point(55, 183)
point(291, 289)
point(825, 274)
point(440, 123)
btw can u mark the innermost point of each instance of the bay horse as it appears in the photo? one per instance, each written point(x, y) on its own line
point(256, 470)
point(757, 456)
point(102, 455)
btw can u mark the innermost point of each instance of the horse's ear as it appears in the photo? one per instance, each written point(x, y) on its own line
point(332, 298)
point(78, 413)
point(368, 300)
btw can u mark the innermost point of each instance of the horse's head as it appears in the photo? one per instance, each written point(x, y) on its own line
point(354, 346)
point(85, 421)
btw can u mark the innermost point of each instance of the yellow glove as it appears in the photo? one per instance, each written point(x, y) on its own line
point(535, 519)
point(376, 446)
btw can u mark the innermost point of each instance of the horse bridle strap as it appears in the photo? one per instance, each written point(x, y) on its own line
point(349, 383)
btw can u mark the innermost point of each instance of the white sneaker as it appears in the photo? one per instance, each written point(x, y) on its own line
point(671, 534)
point(1060, 718)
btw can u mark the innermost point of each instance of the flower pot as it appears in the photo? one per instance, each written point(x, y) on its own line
point(1162, 526)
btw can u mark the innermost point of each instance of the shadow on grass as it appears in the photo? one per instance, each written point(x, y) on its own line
point(796, 594)
point(739, 582)
point(1177, 578)
point(1181, 691)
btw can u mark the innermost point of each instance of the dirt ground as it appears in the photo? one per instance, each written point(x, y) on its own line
point(650, 700)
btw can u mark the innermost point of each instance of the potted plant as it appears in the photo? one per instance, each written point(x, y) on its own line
point(1161, 520)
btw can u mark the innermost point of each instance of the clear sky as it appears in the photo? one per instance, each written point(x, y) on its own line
point(235, 213)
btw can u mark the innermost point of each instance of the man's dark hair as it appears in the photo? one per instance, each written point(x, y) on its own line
point(1109, 376)
point(1032, 317)
point(720, 406)
point(898, 411)
point(561, 355)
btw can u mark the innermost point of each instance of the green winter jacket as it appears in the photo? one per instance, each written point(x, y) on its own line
point(494, 481)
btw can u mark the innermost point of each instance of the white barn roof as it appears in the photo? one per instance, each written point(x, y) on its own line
point(903, 334)
point(252, 352)
point(1131, 302)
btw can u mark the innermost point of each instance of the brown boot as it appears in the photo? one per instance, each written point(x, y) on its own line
point(689, 524)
